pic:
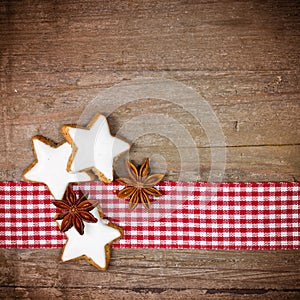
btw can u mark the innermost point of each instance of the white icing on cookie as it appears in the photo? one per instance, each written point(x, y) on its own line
point(92, 244)
point(95, 147)
point(50, 166)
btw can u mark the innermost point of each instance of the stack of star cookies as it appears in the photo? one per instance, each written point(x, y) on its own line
point(87, 152)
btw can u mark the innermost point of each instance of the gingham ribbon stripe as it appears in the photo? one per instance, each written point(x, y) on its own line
point(188, 215)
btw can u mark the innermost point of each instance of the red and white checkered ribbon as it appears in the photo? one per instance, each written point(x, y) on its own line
point(188, 215)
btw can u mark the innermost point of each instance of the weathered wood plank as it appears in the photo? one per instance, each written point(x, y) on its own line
point(157, 268)
point(276, 141)
point(137, 294)
point(260, 163)
point(243, 123)
point(126, 35)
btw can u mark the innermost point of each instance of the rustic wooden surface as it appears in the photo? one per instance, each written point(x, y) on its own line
point(154, 274)
point(241, 56)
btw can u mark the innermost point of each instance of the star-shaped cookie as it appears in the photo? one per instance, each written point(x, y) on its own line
point(94, 244)
point(50, 166)
point(94, 148)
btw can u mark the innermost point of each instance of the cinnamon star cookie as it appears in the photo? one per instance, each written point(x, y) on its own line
point(50, 166)
point(94, 244)
point(94, 148)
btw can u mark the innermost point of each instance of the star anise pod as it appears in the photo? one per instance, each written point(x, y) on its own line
point(139, 185)
point(74, 211)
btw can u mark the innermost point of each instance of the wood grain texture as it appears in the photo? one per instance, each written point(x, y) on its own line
point(159, 274)
point(241, 56)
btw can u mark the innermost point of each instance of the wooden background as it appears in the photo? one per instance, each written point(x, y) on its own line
point(241, 56)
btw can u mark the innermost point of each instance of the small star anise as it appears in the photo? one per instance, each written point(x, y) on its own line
point(74, 211)
point(139, 185)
